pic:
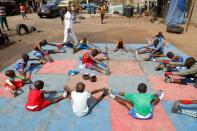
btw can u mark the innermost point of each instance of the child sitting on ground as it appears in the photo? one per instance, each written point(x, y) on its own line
point(190, 73)
point(83, 45)
point(147, 49)
point(39, 52)
point(83, 101)
point(36, 100)
point(173, 58)
point(92, 63)
point(3, 38)
point(140, 105)
point(22, 65)
point(120, 45)
point(12, 85)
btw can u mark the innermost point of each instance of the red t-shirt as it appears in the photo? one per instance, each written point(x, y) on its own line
point(36, 97)
point(86, 58)
point(22, 8)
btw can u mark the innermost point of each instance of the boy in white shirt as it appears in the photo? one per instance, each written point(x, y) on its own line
point(83, 101)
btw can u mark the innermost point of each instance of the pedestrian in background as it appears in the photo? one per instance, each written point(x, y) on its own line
point(3, 19)
point(22, 10)
point(102, 12)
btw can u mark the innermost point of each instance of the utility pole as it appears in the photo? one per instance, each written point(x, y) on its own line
point(190, 14)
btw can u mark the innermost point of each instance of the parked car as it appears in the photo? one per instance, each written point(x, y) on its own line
point(50, 9)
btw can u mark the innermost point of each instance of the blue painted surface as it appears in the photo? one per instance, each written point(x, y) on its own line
point(97, 120)
point(127, 83)
point(181, 122)
point(60, 116)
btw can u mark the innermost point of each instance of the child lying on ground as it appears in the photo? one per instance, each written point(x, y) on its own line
point(190, 73)
point(140, 105)
point(176, 108)
point(173, 58)
point(83, 101)
point(22, 65)
point(12, 85)
point(36, 100)
point(91, 62)
point(83, 45)
point(120, 45)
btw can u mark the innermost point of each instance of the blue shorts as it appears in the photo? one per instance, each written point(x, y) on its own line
point(83, 46)
point(38, 54)
point(135, 115)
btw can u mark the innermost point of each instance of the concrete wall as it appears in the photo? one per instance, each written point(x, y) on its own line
point(194, 15)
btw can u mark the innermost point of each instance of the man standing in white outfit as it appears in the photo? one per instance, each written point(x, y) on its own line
point(68, 23)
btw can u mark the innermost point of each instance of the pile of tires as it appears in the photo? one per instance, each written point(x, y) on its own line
point(175, 29)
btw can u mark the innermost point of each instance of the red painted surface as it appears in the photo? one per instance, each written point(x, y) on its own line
point(58, 67)
point(125, 68)
point(102, 81)
point(122, 121)
point(173, 91)
point(3, 92)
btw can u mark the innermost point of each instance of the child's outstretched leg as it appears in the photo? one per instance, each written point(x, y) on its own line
point(177, 109)
point(92, 102)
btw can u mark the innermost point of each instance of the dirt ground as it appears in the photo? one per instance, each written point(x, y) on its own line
point(113, 29)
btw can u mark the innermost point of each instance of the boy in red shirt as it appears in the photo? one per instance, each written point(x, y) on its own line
point(92, 63)
point(36, 100)
point(12, 85)
point(22, 10)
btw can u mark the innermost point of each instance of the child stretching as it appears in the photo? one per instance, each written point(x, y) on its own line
point(36, 100)
point(190, 73)
point(39, 52)
point(83, 101)
point(153, 43)
point(120, 45)
point(22, 65)
point(12, 85)
point(140, 105)
point(92, 63)
point(83, 45)
point(173, 58)
point(176, 108)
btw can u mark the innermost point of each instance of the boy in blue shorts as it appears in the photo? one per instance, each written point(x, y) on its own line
point(22, 65)
point(140, 105)
point(83, 45)
point(39, 52)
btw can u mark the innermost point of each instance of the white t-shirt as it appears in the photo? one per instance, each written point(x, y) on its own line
point(68, 20)
point(79, 102)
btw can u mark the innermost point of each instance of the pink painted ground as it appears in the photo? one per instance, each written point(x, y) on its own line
point(122, 121)
point(58, 67)
point(125, 68)
point(3, 92)
point(173, 91)
point(102, 81)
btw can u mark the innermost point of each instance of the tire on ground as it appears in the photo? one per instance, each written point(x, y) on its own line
point(175, 29)
point(21, 26)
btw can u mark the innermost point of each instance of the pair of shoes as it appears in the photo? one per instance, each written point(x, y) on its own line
point(168, 79)
point(176, 108)
point(91, 77)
